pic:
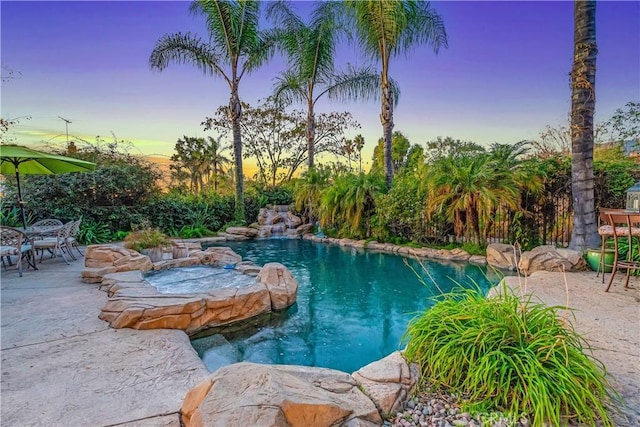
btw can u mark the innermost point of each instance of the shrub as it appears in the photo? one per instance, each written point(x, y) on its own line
point(146, 238)
point(510, 355)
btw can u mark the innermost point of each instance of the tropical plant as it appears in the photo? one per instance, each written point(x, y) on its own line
point(387, 29)
point(310, 52)
point(146, 238)
point(349, 204)
point(92, 232)
point(467, 190)
point(510, 355)
point(308, 192)
point(583, 77)
point(235, 47)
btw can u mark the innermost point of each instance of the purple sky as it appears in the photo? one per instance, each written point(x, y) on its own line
point(503, 78)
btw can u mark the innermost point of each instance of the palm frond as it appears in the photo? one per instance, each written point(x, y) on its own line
point(289, 88)
point(186, 49)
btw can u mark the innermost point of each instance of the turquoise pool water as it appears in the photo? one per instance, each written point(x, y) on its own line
point(353, 306)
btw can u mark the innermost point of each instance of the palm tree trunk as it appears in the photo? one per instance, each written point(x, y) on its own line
point(235, 113)
point(583, 76)
point(311, 134)
point(386, 118)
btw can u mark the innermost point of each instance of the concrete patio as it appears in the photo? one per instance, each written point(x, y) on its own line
point(62, 366)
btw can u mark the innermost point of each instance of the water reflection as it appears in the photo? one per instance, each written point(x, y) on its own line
point(353, 306)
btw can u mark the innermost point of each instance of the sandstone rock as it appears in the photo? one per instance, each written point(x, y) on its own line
point(247, 394)
point(138, 305)
point(478, 259)
point(243, 231)
point(549, 258)
point(221, 256)
point(292, 220)
point(388, 382)
point(232, 237)
point(282, 287)
point(502, 256)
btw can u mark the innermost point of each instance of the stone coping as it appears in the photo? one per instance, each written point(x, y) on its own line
point(134, 303)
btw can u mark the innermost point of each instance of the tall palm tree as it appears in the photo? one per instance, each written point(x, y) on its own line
point(235, 47)
point(387, 29)
point(359, 142)
point(310, 51)
point(218, 160)
point(583, 78)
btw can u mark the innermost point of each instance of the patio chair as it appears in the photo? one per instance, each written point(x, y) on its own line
point(72, 241)
point(46, 227)
point(605, 230)
point(14, 242)
point(57, 244)
point(626, 226)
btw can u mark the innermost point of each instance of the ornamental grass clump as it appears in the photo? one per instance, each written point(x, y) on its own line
point(512, 355)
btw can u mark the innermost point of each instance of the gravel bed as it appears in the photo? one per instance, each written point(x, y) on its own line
point(436, 409)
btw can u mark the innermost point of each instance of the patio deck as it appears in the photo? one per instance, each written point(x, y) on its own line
point(62, 366)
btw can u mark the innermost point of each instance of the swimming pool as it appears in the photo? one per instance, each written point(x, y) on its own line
point(353, 305)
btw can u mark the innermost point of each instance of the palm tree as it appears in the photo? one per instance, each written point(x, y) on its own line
point(583, 77)
point(218, 160)
point(467, 189)
point(310, 50)
point(386, 29)
point(359, 142)
point(235, 47)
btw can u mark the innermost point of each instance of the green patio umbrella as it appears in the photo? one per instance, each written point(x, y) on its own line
point(16, 159)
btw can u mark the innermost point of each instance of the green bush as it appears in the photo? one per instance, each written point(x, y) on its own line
point(510, 355)
point(91, 232)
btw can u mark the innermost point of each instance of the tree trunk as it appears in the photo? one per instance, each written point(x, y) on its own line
point(311, 134)
point(386, 118)
point(235, 113)
point(583, 77)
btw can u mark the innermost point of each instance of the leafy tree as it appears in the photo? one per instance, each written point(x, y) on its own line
point(310, 51)
point(583, 76)
point(387, 29)
point(399, 149)
point(276, 138)
point(198, 161)
point(449, 147)
point(236, 47)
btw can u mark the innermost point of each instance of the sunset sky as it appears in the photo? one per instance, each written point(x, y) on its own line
point(503, 78)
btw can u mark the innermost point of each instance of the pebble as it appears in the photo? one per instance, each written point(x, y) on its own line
point(443, 410)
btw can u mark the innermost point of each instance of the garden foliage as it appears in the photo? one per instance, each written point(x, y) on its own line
point(510, 355)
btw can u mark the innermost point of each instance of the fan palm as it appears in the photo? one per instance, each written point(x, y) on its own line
point(235, 47)
point(583, 76)
point(386, 29)
point(310, 51)
point(467, 190)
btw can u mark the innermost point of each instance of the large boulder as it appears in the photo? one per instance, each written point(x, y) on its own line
point(103, 259)
point(248, 232)
point(550, 258)
point(503, 256)
point(388, 382)
point(282, 287)
point(248, 394)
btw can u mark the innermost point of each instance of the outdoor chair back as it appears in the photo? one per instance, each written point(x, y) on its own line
point(72, 239)
point(57, 244)
point(14, 242)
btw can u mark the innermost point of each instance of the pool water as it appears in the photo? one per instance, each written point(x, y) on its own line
point(353, 305)
point(196, 279)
